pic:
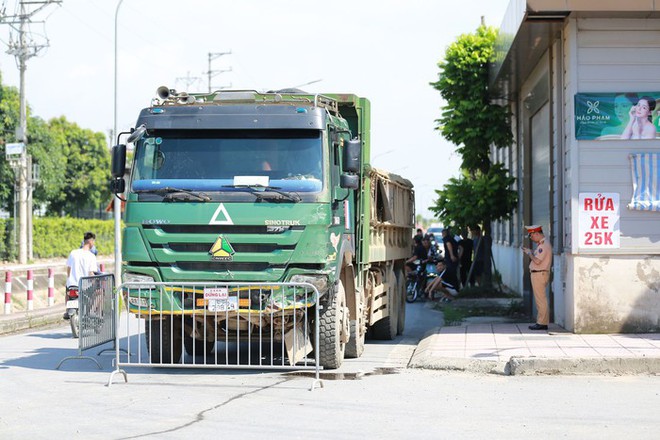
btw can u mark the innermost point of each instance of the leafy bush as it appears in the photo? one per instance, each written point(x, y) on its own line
point(456, 312)
point(7, 246)
point(57, 236)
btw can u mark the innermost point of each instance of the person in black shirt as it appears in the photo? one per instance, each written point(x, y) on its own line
point(465, 260)
point(479, 245)
point(421, 253)
point(445, 282)
point(451, 251)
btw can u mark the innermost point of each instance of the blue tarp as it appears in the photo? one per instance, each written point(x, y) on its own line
point(646, 188)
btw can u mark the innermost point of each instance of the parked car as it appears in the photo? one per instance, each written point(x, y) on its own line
point(436, 231)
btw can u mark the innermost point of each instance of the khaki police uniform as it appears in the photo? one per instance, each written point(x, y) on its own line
point(540, 276)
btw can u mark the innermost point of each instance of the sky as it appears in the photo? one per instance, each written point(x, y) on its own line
point(385, 50)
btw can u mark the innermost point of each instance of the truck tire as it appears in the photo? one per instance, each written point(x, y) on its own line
point(164, 346)
point(401, 291)
point(198, 345)
point(333, 330)
point(358, 330)
point(386, 328)
point(355, 345)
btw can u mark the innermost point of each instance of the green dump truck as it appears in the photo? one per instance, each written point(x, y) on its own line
point(277, 187)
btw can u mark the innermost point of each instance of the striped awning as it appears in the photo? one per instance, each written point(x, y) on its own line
point(646, 188)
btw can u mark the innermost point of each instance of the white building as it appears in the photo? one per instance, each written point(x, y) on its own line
point(562, 65)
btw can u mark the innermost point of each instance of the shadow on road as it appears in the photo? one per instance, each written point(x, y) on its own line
point(65, 335)
point(48, 358)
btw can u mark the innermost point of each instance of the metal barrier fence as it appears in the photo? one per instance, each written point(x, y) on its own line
point(218, 325)
point(96, 312)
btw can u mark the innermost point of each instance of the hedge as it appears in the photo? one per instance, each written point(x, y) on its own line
point(55, 237)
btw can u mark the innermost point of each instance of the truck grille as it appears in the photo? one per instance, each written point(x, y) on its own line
point(183, 250)
point(239, 247)
point(221, 229)
point(223, 267)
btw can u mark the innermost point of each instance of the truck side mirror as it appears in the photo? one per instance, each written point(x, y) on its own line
point(352, 152)
point(118, 185)
point(349, 181)
point(118, 161)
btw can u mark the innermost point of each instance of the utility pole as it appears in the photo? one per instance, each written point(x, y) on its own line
point(24, 48)
point(188, 80)
point(211, 73)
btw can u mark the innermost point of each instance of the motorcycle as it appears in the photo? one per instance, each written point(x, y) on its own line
point(72, 309)
point(418, 280)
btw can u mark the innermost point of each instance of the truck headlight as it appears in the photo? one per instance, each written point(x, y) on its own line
point(318, 281)
point(136, 278)
point(142, 303)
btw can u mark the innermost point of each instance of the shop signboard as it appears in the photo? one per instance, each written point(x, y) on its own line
point(599, 221)
point(612, 116)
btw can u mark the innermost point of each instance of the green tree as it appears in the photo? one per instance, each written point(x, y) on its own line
point(9, 119)
point(482, 193)
point(471, 121)
point(87, 170)
point(50, 158)
point(73, 162)
point(466, 201)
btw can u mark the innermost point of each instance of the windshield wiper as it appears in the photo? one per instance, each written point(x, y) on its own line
point(182, 194)
point(258, 191)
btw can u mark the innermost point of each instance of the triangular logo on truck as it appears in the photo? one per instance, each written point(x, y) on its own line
point(224, 220)
point(221, 250)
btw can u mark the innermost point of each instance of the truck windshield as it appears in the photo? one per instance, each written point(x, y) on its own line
point(221, 160)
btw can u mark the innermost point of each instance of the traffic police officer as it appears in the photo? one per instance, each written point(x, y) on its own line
point(539, 268)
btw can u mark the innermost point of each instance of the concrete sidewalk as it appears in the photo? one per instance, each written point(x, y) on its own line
point(34, 319)
point(513, 349)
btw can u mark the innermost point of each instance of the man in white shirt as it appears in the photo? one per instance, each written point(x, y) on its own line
point(81, 262)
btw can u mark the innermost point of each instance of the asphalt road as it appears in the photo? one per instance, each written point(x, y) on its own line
point(371, 397)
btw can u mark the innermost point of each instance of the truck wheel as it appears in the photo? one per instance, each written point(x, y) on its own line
point(333, 330)
point(163, 340)
point(386, 328)
point(358, 331)
point(198, 345)
point(401, 292)
point(355, 345)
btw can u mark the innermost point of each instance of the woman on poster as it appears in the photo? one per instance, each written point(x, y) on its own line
point(640, 125)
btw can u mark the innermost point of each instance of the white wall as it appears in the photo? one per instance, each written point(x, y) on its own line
point(509, 264)
point(617, 294)
point(612, 290)
point(618, 55)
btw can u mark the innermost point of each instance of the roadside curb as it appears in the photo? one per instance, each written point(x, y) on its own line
point(425, 357)
point(457, 364)
point(32, 319)
point(615, 366)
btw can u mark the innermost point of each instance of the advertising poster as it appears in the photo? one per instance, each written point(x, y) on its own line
point(599, 221)
point(611, 116)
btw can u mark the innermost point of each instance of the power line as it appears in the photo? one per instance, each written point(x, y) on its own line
point(211, 73)
point(188, 81)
